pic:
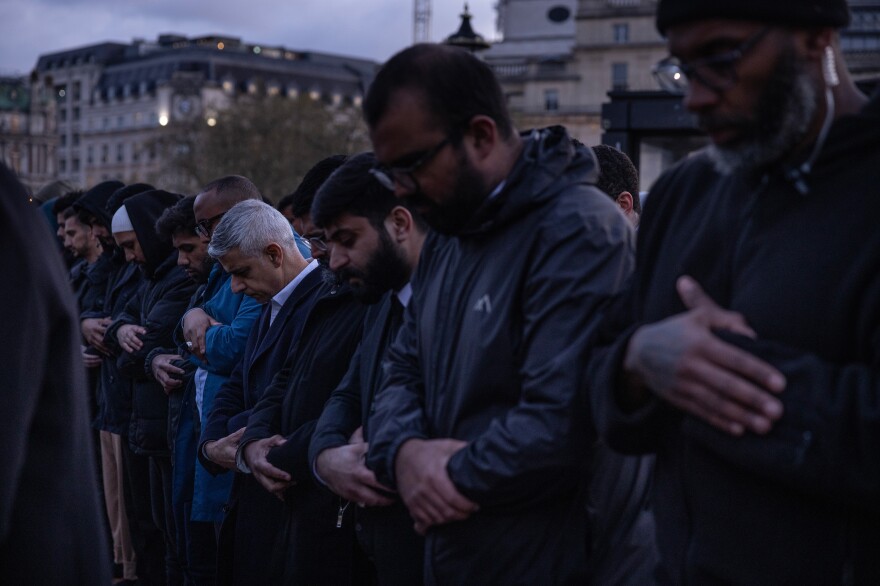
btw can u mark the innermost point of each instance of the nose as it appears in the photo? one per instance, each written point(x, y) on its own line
point(338, 259)
point(699, 96)
point(182, 260)
point(236, 285)
point(129, 255)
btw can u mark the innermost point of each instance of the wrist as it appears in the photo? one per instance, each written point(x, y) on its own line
point(631, 392)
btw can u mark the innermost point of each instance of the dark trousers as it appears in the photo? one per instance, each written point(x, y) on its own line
point(389, 541)
point(146, 538)
point(163, 515)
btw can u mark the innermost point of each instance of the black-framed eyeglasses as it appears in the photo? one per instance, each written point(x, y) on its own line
point(404, 176)
point(718, 73)
point(206, 226)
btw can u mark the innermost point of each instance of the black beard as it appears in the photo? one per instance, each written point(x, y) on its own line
point(387, 269)
point(782, 117)
point(452, 216)
point(328, 276)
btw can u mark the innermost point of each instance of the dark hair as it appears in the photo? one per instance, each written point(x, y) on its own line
point(233, 189)
point(66, 201)
point(284, 202)
point(304, 195)
point(178, 219)
point(455, 85)
point(617, 174)
point(88, 218)
point(351, 189)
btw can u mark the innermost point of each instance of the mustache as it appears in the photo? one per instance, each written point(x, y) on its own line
point(710, 122)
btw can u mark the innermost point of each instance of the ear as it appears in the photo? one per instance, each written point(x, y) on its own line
point(483, 134)
point(275, 254)
point(399, 223)
point(816, 40)
point(625, 201)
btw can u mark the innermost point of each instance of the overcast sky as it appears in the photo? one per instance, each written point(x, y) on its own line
point(374, 29)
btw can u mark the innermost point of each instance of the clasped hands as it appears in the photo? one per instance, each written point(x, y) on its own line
point(684, 363)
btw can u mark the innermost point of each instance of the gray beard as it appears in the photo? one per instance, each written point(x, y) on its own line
point(784, 114)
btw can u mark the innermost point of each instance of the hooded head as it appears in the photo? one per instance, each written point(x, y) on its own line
point(143, 210)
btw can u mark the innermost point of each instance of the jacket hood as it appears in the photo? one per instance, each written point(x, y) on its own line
point(120, 195)
point(549, 163)
point(95, 200)
point(144, 209)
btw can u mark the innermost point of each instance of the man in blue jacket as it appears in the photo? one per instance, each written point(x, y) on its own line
point(198, 498)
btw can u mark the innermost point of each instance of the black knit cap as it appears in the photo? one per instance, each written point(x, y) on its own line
point(819, 13)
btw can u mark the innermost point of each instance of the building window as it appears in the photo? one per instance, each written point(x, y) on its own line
point(76, 140)
point(63, 140)
point(90, 155)
point(551, 100)
point(621, 33)
point(76, 113)
point(75, 166)
point(62, 166)
point(105, 153)
point(135, 154)
point(77, 91)
point(62, 114)
point(120, 153)
point(619, 74)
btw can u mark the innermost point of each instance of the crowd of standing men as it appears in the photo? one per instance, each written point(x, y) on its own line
point(428, 364)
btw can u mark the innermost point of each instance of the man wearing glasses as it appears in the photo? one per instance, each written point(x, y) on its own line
point(747, 350)
point(482, 423)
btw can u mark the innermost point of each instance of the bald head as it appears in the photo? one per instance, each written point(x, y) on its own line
point(219, 196)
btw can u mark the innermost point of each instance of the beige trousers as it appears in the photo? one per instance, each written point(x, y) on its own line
point(113, 473)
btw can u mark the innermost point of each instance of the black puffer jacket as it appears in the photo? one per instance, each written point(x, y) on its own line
point(158, 306)
point(492, 353)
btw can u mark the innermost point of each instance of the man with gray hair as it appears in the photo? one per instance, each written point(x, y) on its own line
point(317, 543)
point(255, 246)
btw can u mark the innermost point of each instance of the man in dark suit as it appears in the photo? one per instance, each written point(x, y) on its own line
point(254, 516)
point(374, 245)
point(316, 544)
point(50, 522)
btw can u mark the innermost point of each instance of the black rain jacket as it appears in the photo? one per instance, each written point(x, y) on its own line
point(492, 352)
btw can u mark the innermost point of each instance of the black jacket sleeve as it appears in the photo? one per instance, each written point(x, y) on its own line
point(342, 413)
point(825, 443)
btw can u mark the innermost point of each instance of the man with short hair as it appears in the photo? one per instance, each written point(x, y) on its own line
point(746, 353)
point(59, 207)
point(313, 547)
point(481, 424)
point(374, 245)
point(249, 529)
point(619, 178)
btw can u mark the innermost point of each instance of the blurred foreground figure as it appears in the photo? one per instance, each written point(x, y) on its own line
point(50, 530)
point(748, 358)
